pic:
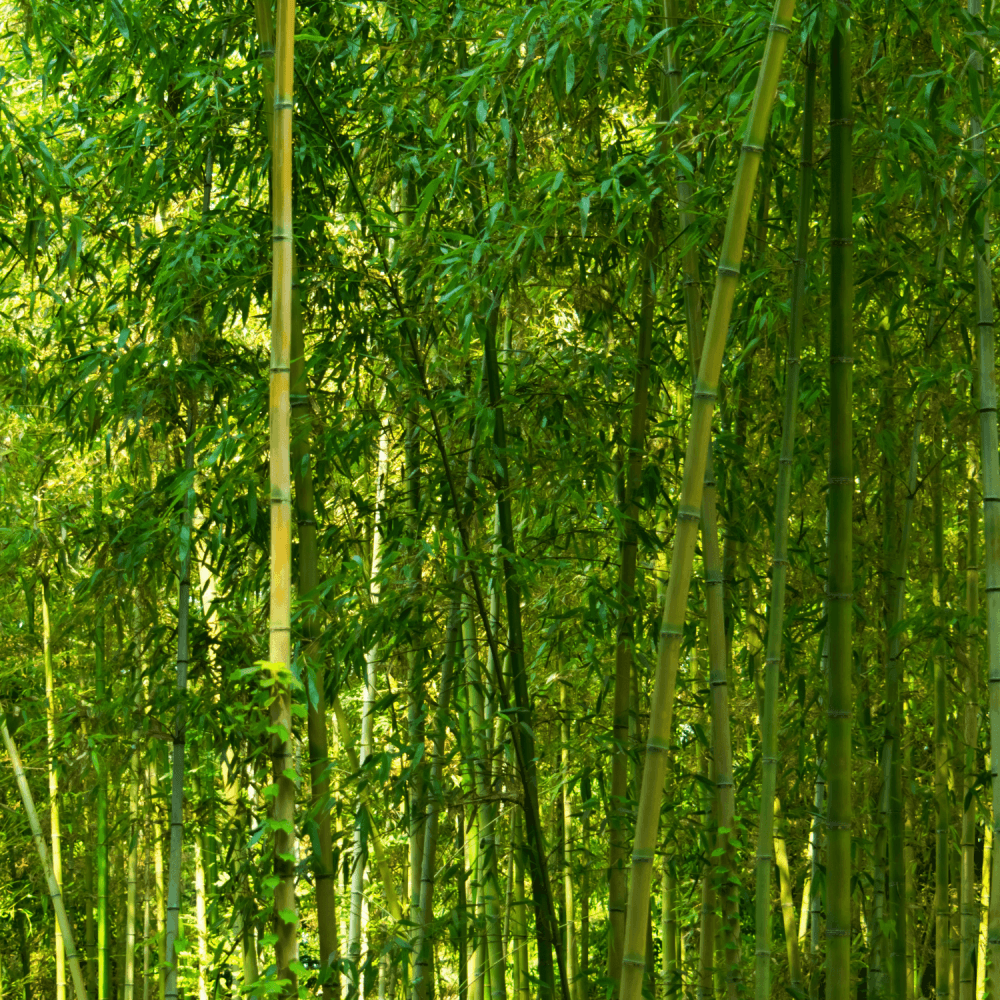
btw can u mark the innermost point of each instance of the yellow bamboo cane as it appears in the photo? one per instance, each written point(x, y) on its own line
point(689, 509)
point(279, 651)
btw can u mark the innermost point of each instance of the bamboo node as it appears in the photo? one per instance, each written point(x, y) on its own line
point(831, 825)
point(779, 562)
point(671, 630)
point(770, 760)
point(280, 371)
point(840, 122)
point(723, 784)
point(713, 576)
point(840, 359)
point(839, 242)
point(839, 480)
point(839, 597)
point(635, 961)
point(985, 322)
point(282, 105)
point(686, 514)
point(780, 29)
point(656, 746)
point(832, 714)
point(731, 271)
point(705, 394)
point(642, 857)
point(835, 933)
point(748, 148)
point(280, 238)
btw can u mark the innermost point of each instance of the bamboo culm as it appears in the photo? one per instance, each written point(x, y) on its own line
point(840, 507)
point(779, 564)
point(968, 903)
point(285, 917)
point(689, 509)
point(55, 890)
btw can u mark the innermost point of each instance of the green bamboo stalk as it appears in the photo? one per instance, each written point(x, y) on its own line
point(897, 887)
point(285, 917)
point(132, 872)
point(578, 988)
point(422, 974)
point(55, 826)
point(983, 943)
point(689, 511)
point(55, 890)
point(158, 879)
point(308, 575)
point(101, 778)
point(787, 900)
point(840, 507)
point(179, 734)
point(522, 733)
point(200, 889)
point(727, 886)
point(628, 551)
point(970, 732)
point(779, 564)
point(487, 853)
point(942, 916)
point(989, 448)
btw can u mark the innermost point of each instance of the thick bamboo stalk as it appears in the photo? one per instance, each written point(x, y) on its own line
point(359, 850)
point(942, 915)
point(285, 919)
point(147, 930)
point(55, 827)
point(840, 506)
point(628, 550)
point(897, 894)
point(519, 911)
point(779, 563)
point(787, 900)
point(308, 576)
point(970, 731)
point(982, 990)
point(55, 890)
point(313, 666)
point(724, 855)
point(179, 732)
point(989, 450)
point(689, 510)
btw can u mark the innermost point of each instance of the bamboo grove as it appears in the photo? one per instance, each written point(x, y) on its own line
point(499, 501)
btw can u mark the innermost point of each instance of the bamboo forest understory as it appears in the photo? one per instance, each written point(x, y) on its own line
point(499, 501)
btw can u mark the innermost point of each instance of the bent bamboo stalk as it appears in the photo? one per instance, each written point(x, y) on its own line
point(689, 510)
point(55, 890)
